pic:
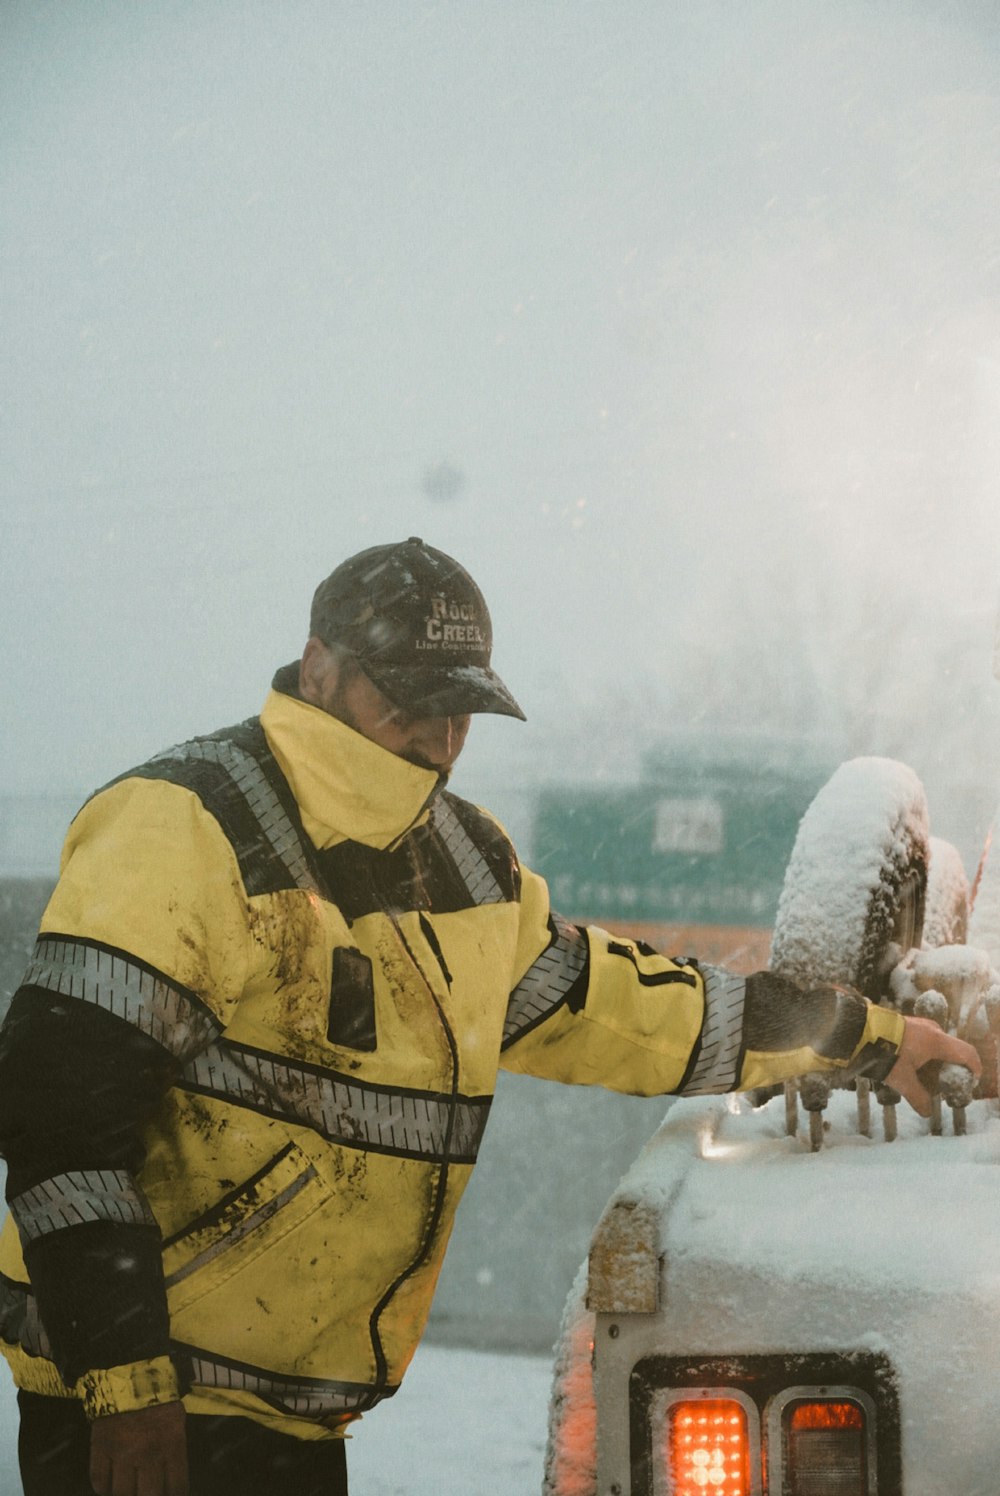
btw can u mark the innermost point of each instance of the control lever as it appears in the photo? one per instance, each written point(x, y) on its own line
point(957, 1086)
point(934, 1005)
point(791, 1109)
point(814, 1091)
point(888, 1100)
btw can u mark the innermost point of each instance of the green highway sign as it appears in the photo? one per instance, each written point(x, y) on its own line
point(702, 838)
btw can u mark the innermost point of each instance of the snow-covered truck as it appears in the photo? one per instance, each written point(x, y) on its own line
point(799, 1295)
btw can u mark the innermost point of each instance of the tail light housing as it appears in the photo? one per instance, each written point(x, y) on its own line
point(765, 1425)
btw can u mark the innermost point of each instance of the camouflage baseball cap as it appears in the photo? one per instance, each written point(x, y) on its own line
point(418, 626)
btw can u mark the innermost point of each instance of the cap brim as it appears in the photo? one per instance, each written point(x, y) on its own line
point(453, 692)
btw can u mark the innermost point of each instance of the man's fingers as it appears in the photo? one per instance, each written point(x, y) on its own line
point(140, 1454)
point(100, 1472)
point(176, 1472)
point(923, 1040)
point(925, 1043)
point(960, 1053)
point(160, 1480)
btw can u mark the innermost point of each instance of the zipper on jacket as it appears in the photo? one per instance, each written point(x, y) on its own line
point(437, 1207)
point(430, 935)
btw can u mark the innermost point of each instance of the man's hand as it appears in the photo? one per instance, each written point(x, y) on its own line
point(140, 1454)
point(924, 1041)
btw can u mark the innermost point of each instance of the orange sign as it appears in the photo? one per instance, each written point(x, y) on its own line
point(738, 948)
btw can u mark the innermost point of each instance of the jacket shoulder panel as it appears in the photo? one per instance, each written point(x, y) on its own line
point(238, 781)
point(473, 836)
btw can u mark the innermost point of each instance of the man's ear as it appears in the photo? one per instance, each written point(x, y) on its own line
point(319, 671)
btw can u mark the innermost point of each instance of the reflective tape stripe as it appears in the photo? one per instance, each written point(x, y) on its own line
point(261, 798)
point(410, 1123)
point(308, 1397)
point(470, 864)
point(74, 1199)
point(544, 986)
point(235, 1231)
point(717, 1066)
point(19, 1321)
point(98, 974)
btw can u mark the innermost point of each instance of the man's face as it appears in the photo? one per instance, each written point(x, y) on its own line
point(341, 688)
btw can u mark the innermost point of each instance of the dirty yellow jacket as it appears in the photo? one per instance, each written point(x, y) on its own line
point(291, 964)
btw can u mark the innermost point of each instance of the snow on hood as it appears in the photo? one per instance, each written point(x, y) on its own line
point(922, 1212)
point(866, 1245)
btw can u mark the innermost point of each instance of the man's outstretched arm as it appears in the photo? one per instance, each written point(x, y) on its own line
point(591, 1008)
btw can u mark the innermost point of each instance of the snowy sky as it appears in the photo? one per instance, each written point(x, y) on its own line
point(702, 302)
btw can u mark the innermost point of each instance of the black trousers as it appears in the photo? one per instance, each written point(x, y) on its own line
point(227, 1456)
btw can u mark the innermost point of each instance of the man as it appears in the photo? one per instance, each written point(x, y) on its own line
point(244, 1082)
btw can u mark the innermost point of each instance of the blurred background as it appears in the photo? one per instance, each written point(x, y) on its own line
point(679, 324)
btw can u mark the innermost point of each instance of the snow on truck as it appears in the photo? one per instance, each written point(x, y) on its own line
point(798, 1294)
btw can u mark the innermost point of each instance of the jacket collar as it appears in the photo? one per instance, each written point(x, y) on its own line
point(347, 788)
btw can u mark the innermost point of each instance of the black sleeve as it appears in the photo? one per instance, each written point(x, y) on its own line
point(76, 1086)
point(829, 1019)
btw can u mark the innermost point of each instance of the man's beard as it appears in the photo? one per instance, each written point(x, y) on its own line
point(420, 762)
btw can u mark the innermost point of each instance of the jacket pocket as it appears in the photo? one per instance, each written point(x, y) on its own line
point(247, 1222)
point(351, 1019)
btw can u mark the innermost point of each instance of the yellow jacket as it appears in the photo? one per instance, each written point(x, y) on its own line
point(334, 955)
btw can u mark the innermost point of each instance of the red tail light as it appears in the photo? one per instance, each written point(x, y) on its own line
point(709, 1448)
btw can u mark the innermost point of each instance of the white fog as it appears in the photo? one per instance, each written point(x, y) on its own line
point(697, 304)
